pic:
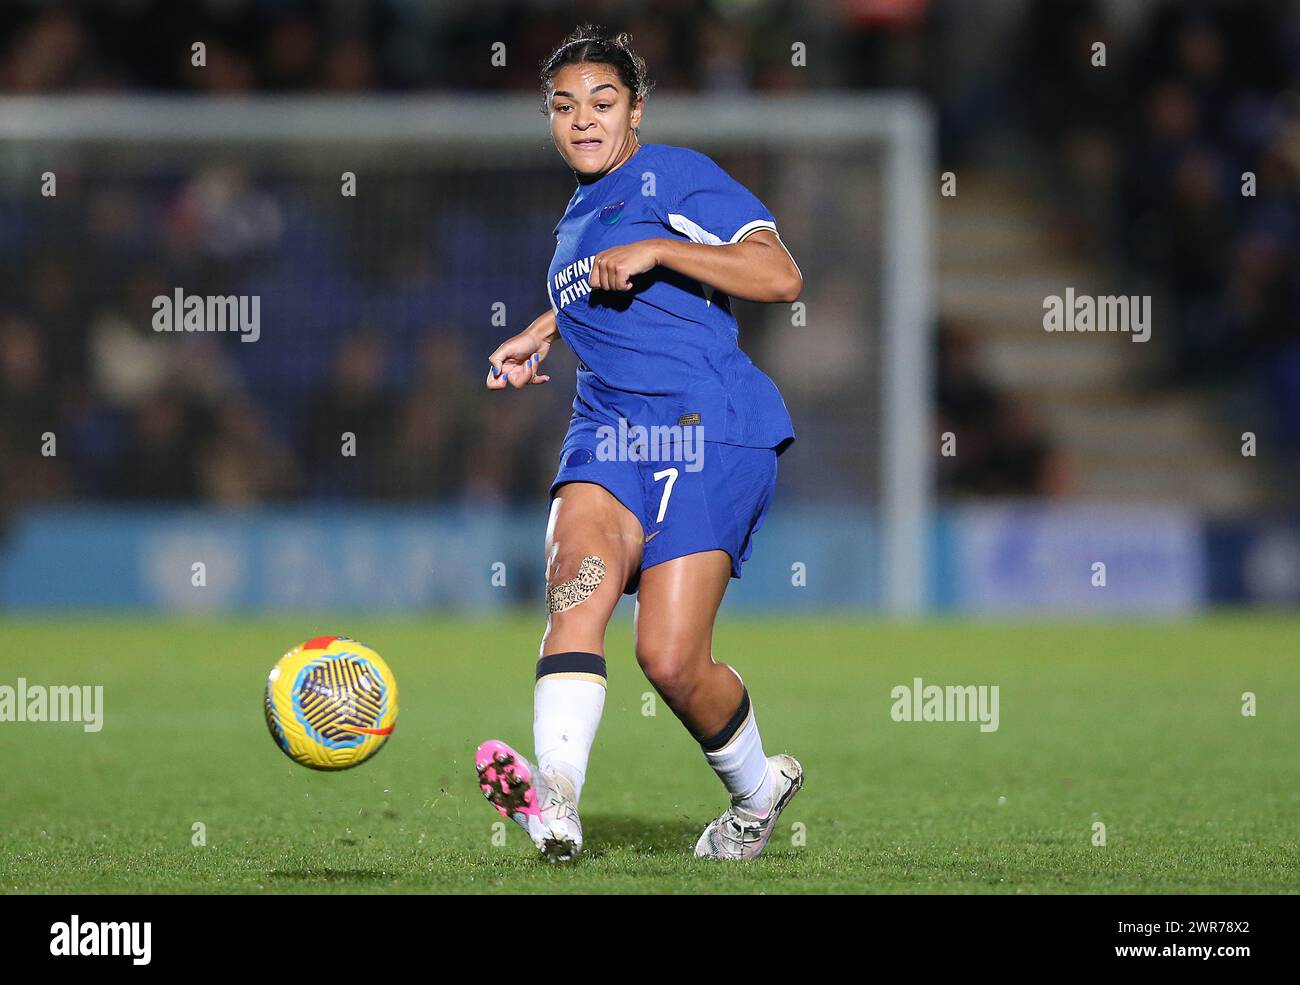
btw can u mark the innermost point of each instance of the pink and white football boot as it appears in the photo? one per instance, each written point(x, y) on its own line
point(541, 804)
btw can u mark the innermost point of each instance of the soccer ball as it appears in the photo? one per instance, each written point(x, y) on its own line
point(331, 703)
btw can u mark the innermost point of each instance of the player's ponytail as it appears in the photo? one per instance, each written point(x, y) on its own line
point(592, 44)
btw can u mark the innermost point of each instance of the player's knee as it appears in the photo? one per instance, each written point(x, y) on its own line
point(572, 578)
point(670, 667)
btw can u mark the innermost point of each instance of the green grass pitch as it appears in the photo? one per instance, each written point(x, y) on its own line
point(1138, 726)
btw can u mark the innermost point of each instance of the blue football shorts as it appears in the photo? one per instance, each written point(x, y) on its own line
point(717, 502)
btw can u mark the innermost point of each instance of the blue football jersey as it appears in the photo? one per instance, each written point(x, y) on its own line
point(665, 352)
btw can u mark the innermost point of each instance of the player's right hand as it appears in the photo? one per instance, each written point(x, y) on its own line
point(517, 362)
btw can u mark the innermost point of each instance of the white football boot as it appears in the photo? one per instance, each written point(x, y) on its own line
point(740, 835)
point(541, 804)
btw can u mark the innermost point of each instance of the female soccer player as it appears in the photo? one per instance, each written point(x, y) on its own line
point(653, 244)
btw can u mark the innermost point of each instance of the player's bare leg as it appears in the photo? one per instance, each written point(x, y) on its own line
point(676, 608)
point(593, 548)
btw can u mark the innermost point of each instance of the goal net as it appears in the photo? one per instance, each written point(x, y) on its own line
point(423, 227)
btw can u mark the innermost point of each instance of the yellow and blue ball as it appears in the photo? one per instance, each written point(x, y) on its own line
point(331, 703)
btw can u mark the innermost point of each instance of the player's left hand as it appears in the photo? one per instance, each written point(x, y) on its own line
point(613, 269)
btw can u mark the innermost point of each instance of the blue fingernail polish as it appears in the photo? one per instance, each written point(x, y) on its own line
point(495, 372)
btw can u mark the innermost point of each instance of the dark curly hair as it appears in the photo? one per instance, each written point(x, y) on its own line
point(592, 44)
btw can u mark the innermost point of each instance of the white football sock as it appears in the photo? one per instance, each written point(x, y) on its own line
point(741, 765)
point(566, 713)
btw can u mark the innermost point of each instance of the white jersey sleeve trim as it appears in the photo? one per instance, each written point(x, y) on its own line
point(692, 231)
point(752, 227)
point(698, 234)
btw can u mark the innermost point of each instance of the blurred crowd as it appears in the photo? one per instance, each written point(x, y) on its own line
point(369, 384)
point(178, 435)
point(402, 45)
point(1146, 159)
point(1004, 450)
point(1179, 166)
